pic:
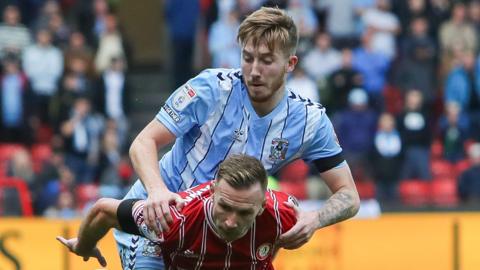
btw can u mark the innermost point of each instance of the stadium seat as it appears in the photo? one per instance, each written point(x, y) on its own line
point(462, 166)
point(14, 193)
point(40, 153)
point(7, 150)
point(442, 169)
point(366, 189)
point(414, 192)
point(436, 150)
point(293, 179)
point(444, 192)
point(86, 193)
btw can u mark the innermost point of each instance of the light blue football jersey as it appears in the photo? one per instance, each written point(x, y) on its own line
point(212, 117)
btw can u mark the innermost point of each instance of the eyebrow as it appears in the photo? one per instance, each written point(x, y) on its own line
point(236, 209)
point(267, 54)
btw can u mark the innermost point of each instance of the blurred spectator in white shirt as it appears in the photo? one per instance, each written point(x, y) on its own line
point(222, 41)
point(301, 84)
point(14, 36)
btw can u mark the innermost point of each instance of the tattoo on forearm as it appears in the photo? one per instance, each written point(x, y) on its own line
point(339, 207)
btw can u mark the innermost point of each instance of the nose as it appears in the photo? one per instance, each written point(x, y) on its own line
point(231, 221)
point(255, 69)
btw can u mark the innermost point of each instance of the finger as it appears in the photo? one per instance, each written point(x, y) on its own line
point(166, 213)
point(290, 234)
point(292, 206)
point(152, 220)
point(101, 260)
point(161, 220)
point(180, 203)
point(64, 242)
point(86, 258)
point(295, 244)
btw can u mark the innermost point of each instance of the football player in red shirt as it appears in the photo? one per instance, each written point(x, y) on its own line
point(233, 222)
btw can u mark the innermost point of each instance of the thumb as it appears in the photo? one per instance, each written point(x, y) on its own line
point(101, 260)
point(179, 203)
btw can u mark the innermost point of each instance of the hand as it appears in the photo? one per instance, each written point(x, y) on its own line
point(302, 231)
point(156, 211)
point(72, 245)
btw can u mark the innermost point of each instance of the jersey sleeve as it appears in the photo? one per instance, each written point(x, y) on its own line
point(131, 220)
point(323, 148)
point(287, 215)
point(190, 104)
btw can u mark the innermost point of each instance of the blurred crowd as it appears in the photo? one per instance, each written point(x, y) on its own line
point(400, 81)
point(64, 102)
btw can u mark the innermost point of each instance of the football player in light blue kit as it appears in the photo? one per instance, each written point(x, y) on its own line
point(226, 111)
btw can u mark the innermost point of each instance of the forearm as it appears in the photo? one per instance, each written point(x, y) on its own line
point(342, 205)
point(99, 220)
point(143, 154)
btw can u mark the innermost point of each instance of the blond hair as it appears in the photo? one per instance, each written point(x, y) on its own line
point(242, 171)
point(272, 26)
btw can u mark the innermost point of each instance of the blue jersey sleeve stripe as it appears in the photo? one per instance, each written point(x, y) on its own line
point(305, 125)
point(265, 139)
point(213, 132)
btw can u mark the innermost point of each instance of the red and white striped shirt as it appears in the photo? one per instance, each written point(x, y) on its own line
point(192, 242)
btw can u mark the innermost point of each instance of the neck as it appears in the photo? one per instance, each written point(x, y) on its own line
point(265, 107)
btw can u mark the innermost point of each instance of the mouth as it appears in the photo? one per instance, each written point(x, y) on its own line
point(255, 84)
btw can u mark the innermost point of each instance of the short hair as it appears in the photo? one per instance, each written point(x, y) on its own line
point(272, 26)
point(242, 171)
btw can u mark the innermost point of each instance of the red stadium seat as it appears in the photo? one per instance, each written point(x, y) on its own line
point(366, 189)
point(298, 190)
point(442, 169)
point(294, 172)
point(40, 153)
point(461, 166)
point(414, 192)
point(86, 193)
point(436, 150)
point(22, 199)
point(444, 192)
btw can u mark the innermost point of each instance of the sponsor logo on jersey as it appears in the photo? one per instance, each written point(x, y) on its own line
point(183, 97)
point(278, 149)
point(171, 113)
point(238, 135)
point(263, 251)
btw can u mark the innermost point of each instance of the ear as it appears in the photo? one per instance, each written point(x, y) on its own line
point(292, 62)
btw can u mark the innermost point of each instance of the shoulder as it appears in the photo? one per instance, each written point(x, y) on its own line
point(277, 210)
point(298, 104)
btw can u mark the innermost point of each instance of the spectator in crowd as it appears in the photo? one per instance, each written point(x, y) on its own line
point(48, 10)
point(357, 145)
point(64, 208)
point(112, 96)
point(414, 125)
point(304, 17)
point(469, 183)
point(373, 67)
point(340, 21)
point(14, 36)
point(20, 166)
point(459, 83)
point(474, 17)
point(59, 29)
point(407, 11)
point(440, 11)
point(81, 133)
point(77, 48)
point(110, 45)
point(457, 35)
point(50, 191)
point(341, 82)
point(303, 85)
point(417, 64)
point(384, 26)
point(222, 42)
point(386, 158)
point(182, 17)
point(43, 64)
point(454, 131)
point(15, 98)
point(324, 53)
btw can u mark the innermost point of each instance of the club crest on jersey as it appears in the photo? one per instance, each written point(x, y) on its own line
point(263, 251)
point(278, 149)
point(183, 97)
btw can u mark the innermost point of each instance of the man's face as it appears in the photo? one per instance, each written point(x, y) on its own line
point(264, 70)
point(235, 210)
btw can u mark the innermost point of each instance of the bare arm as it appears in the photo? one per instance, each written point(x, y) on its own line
point(144, 155)
point(343, 204)
point(101, 217)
